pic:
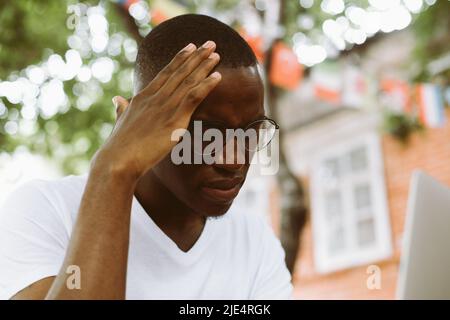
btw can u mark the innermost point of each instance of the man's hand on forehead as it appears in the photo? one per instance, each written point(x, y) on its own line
point(146, 123)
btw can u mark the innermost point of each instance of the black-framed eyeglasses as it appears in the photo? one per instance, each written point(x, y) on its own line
point(254, 137)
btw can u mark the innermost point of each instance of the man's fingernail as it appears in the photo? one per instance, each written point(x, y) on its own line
point(189, 48)
point(216, 75)
point(208, 44)
point(214, 55)
point(114, 101)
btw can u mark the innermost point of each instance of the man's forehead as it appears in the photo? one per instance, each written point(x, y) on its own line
point(243, 83)
point(250, 73)
point(238, 98)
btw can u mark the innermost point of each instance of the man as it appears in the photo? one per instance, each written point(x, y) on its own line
point(139, 226)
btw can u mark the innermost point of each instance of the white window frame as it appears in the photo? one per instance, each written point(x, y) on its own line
point(353, 255)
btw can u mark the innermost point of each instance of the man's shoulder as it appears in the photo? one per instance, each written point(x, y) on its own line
point(66, 191)
point(69, 185)
point(42, 207)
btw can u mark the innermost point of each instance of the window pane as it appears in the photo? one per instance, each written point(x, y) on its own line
point(336, 241)
point(333, 206)
point(366, 232)
point(331, 171)
point(358, 159)
point(361, 194)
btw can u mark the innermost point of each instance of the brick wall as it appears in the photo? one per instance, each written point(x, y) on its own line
point(429, 151)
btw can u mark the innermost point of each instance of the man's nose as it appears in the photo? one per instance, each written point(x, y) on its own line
point(232, 156)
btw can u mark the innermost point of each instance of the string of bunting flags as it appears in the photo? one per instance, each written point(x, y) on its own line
point(348, 86)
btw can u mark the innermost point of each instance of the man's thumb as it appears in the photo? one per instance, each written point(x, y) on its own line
point(120, 103)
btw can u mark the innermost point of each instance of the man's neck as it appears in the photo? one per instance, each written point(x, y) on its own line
point(175, 219)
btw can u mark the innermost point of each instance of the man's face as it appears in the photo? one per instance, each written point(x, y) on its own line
point(209, 190)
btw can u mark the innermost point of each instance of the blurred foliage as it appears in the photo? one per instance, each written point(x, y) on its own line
point(28, 30)
point(432, 30)
point(401, 125)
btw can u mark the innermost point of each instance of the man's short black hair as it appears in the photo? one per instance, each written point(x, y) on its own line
point(165, 40)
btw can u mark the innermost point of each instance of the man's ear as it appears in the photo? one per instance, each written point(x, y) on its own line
point(120, 103)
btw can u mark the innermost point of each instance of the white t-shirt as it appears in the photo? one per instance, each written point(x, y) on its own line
point(236, 257)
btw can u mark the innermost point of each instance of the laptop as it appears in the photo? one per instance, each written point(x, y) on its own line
point(425, 260)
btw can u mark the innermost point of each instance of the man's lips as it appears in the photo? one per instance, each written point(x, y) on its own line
point(222, 190)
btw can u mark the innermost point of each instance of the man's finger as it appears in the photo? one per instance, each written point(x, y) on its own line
point(120, 103)
point(169, 69)
point(187, 68)
point(197, 94)
point(197, 76)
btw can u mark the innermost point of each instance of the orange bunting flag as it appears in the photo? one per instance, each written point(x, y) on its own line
point(327, 83)
point(397, 93)
point(255, 42)
point(354, 87)
point(285, 71)
point(158, 16)
point(327, 94)
point(161, 10)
